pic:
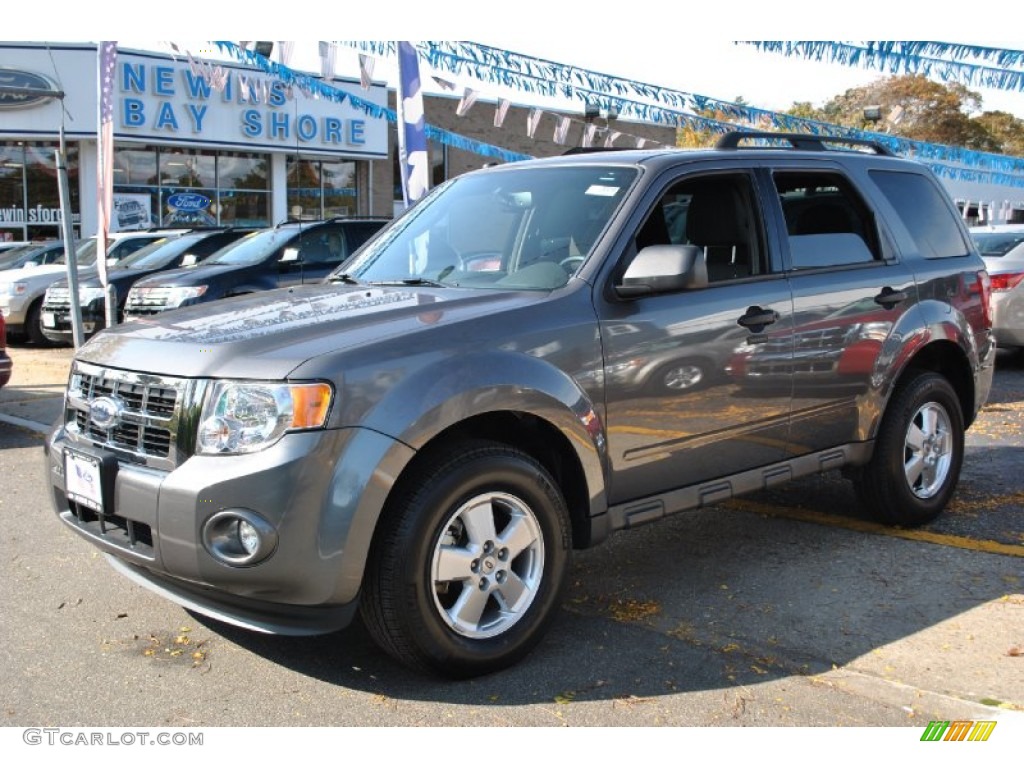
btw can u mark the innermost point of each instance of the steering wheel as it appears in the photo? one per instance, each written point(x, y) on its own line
point(571, 263)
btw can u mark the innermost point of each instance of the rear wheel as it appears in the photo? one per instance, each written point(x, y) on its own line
point(470, 565)
point(918, 454)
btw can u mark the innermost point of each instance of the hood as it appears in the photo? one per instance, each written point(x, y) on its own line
point(195, 275)
point(42, 275)
point(267, 335)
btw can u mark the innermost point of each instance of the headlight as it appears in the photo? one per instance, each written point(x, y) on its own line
point(177, 296)
point(12, 289)
point(248, 416)
point(89, 295)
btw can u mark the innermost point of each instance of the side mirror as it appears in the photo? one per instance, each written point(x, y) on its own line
point(111, 261)
point(662, 269)
point(290, 254)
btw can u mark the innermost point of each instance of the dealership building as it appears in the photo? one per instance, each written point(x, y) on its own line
point(217, 143)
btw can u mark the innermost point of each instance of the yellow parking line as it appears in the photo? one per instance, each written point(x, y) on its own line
point(864, 526)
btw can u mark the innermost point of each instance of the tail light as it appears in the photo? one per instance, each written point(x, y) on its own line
point(985, 287)
point(1006, 281)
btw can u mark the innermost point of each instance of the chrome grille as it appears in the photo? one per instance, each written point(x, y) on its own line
point(146, 422)
point(57, 298)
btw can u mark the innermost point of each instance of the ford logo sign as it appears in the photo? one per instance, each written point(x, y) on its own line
point(188, 201)
point(105, 412)
point(12, 80)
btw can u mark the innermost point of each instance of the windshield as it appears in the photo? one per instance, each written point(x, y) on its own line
point(518, 228)
point(998, 243)
point(85, 256)
point(16, 257)
point(157, 254)
point(253, 248)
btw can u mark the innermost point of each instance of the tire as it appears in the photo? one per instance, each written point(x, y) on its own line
point(469, 562)
point(34, 327)
point(918, 454)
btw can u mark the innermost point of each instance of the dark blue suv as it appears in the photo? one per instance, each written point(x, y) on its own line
point(288, 254)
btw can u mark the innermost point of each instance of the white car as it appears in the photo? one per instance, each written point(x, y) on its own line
point(1002, 248)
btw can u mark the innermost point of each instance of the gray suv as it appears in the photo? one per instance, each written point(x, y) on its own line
point(427, 436)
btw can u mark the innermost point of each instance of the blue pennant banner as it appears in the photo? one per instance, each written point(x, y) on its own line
point(314, 86)
point(909, 57)
point(670, 107)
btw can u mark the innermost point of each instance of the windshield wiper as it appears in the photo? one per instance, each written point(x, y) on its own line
point(411, 281)
point(343, 277)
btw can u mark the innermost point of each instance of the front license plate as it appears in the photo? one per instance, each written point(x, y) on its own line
point(83, 480)
point(49, 319)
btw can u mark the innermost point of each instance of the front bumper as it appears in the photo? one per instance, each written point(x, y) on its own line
point(55, 321)
point(320, 490)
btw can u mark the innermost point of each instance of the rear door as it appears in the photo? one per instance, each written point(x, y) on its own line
point(851, 294)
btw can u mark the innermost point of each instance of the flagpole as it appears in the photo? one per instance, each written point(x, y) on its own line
point(106, 62)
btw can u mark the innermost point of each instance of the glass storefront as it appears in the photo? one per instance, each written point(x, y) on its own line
point(320, 189)
point(29, 194)
point(189, 187)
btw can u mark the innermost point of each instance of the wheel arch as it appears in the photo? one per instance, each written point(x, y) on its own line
point(534, 435)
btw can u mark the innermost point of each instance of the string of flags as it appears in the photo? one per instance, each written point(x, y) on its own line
point(654, 104)
point(950, 162)
point(916, 57)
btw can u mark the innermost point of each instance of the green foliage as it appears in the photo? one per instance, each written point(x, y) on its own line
point(917, 108)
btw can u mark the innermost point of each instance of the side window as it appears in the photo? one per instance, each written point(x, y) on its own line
point(924, 213)
point(828, 222)
point(718, 215)
point(322, 246)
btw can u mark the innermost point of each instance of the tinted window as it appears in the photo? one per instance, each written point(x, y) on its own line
point(827, 221)
point(715, 213)
point(924, 211)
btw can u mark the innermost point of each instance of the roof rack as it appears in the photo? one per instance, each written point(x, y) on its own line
point(807, 141)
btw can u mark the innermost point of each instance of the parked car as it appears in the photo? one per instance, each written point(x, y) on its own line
point(158, 256)
point(6, 365)
point(8, 245)
point(33, 255)
point(22, 291)
point(1002, 248)
point(288, 254)
point(425, 441)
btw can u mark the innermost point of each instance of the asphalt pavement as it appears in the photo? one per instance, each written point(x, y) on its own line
point(786, 608)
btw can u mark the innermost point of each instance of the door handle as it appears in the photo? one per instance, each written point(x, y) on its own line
point(756, 318)
point(889, 298)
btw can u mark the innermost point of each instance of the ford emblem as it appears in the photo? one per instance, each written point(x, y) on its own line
point(189, 201)
point(105, 412)
point(14, 79)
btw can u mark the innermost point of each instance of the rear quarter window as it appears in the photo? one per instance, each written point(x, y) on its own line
point(924, 212)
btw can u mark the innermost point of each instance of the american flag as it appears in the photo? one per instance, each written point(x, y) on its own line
point(105, 151)
point(412, 133)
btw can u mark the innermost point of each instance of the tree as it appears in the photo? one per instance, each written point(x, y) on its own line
point(917, 108)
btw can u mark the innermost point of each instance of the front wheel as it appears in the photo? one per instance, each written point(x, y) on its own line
point(468, 569)
point(918, 454)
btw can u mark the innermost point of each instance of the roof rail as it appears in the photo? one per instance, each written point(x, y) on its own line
point(807, 141)
point(588, 150)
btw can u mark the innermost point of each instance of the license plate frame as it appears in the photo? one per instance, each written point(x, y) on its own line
point(89, 480)
point(49, 319)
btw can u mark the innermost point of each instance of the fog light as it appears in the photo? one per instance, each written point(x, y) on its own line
point(239, 537)
point(248, 537)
